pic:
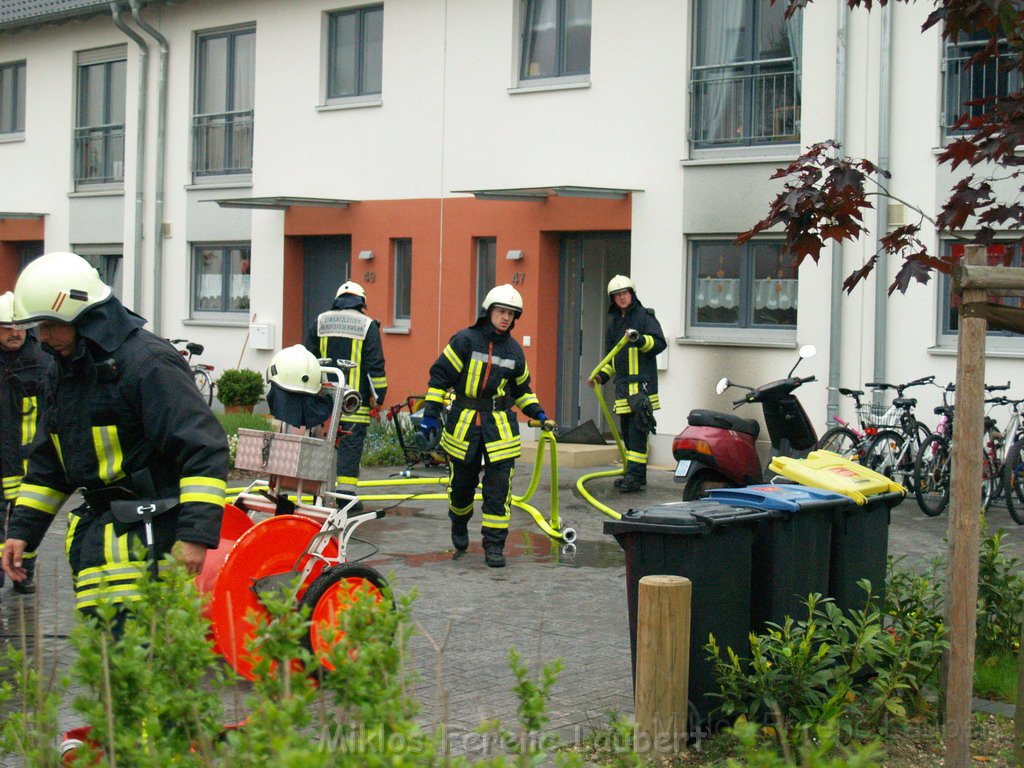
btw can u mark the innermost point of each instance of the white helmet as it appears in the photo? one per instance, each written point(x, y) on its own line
point(57, 286)
point(350, 286)
point(7, 308)
point(503, 296)
point(620, 283)
point(296, 370)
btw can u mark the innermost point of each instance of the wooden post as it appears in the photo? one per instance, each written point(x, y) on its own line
point(662, 665)
point(964, 530)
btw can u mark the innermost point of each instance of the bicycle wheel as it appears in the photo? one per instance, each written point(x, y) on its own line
point(885, 454)
point(204, 384)
point(841, 440)
point(931, 475)
point(989, 481)
point(1013, 477)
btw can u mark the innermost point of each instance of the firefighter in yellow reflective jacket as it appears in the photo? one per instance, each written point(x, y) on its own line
point(635, 370)
point(123, 419)
point(23, 366)
point(487, 370)
point(346, 333)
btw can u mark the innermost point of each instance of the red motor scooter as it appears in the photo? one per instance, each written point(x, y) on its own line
point(720, 449)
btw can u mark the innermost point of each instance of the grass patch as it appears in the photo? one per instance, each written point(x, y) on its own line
point(232, 422)
point(995, 677)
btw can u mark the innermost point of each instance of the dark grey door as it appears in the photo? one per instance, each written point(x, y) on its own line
point(326, 266)
point(588, 261)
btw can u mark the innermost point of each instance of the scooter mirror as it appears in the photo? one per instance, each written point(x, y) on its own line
point(723, 384)
point(807, 350)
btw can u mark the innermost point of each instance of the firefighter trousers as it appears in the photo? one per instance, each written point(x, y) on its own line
point(496, 510)
point(635, 440)
point(350, 452)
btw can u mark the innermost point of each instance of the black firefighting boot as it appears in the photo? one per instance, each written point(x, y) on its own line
point(460, 532)
point(493, 556)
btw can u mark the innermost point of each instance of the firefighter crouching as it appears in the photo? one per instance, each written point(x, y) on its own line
point(486, 369)
point(24, 364)
point(123, 419)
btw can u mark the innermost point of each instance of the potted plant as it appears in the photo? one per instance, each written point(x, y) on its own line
point(240, 389)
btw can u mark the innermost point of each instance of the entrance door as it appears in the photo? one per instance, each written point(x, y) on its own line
point(588, 261)
point(326, 266)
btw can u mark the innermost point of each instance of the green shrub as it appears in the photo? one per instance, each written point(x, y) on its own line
point(1000, 587)
point(240, 387)
point(381, 448)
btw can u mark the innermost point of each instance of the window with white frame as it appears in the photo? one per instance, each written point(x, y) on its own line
point(220, 279)
point(555, 39)
point(107, 260)
point(998, 255)
point(750, 289)
point(99, 116)
point(12, 98)
point(745, 81)
point(222, 125)
point(402, 281)
point(355, 43)
point(965, 82)
point(486, 266)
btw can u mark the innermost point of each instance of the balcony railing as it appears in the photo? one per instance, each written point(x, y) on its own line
point(987, 79)
point(746, 103)
point(99, 155)
point(222, 143)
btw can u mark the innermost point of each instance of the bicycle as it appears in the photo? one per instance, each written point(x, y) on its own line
point(933, 464)
point(893, 448)
point(200, 371)
point(1012, 469)
point(850, 441)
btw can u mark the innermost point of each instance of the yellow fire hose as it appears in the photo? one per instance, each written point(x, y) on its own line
point(627, 337)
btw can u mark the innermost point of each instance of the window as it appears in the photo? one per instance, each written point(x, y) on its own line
point(745, 82)
point(223, 121)
point(220, 278)
point(752, 287)
point(556, 39)
point(486, 266)
point(999, 255)
point(355, 40)
point(99, 120)
point(107, 261)
point(12, 97)
point(992, 78)
point(403, 281)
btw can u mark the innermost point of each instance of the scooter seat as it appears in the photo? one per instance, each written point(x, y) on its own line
point(703, 418)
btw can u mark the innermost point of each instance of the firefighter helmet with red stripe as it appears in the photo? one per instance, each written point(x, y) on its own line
point(57, 286)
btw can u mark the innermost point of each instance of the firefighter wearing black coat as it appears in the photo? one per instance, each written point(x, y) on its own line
point(23, 366)
point(636, 376)
point(486, 369)
point(346, 333)
point(123, 418)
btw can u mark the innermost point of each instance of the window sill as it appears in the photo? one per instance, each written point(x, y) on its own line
point(1003, 353)
point(692, 341)
point(550, 84)
point(220, 322)
point(356, 102)
point(10, 138)
point(100, 191)
point(743, 155)
point(399, 330)
point(241, 181)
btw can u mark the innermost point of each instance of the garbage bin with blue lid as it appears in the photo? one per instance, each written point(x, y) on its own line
point(860, 533)
point(711, 545)
point(791, 551)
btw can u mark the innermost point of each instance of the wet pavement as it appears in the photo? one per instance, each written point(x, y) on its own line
point(551, 601)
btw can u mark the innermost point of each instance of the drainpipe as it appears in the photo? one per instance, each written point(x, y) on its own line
point(158, 200)
point(884, 126)
point(140, 150)
point(835, 345)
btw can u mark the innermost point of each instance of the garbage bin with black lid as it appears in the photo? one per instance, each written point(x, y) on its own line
point(711, 545)
point(792, 550)
point(860, 531)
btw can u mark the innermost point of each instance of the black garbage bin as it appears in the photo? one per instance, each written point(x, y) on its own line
point(860, 532)
point(792, 549)
point(711, 545)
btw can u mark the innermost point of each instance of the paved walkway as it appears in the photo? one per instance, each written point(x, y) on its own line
point(547, 603)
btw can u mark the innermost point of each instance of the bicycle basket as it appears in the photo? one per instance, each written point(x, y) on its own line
point(878, 415)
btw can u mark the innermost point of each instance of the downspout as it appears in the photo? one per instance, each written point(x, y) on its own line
point(140, 150)
point(835, 345)
point(882, 265)
point(158, 199)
